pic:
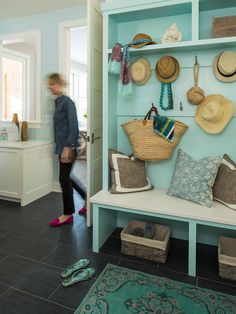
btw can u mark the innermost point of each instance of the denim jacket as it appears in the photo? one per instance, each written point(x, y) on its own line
point(65, 124)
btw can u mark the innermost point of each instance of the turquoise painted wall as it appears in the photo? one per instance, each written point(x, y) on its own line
point(48, 24)
point(195, 141)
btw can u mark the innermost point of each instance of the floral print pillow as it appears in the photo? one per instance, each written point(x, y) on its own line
point(193, 179)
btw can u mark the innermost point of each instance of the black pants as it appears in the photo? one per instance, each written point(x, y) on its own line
point(67, 186)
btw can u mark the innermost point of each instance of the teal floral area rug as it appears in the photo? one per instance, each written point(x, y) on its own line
point(120, 290)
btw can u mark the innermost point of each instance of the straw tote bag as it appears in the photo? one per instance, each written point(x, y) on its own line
point(148, 145)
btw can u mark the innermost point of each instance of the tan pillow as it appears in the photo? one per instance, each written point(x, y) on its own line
point(224, 189)
point(128, 174)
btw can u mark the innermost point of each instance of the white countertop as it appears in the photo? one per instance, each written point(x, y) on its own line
point(23, 145)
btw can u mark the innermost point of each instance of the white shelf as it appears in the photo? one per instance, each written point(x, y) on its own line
point(185, 45)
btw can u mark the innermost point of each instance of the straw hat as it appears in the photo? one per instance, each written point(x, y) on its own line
point(213, 113)
point(167, 69)
point(141, 36)
point(140, 71)
point(224, 66)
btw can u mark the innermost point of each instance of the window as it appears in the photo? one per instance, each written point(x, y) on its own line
point(14, 85)
point(20, 77)
point(78, 92)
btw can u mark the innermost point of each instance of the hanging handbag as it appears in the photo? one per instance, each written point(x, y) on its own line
point(146, 143)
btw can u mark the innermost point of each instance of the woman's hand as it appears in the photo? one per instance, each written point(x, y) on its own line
point(68, 155)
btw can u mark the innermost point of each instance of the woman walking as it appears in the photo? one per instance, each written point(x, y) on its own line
point(66, 135)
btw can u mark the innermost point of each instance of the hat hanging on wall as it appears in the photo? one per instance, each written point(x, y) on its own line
point(141, 40)
point(213, 113)
point(167, 69)
point(140, 71)
point(224, 66)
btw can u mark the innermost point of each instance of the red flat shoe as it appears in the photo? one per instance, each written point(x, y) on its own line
point(82, 211)
point(56, 222)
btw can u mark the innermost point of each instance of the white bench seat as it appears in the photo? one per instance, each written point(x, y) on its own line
point(157, 203)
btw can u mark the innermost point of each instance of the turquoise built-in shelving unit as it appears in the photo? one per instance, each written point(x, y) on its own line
point(122, 20)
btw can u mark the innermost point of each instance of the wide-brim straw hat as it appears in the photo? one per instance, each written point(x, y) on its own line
point(214, 112)
point(140, 71)
point(224, 66)
point(140, 36)
point(167, 69)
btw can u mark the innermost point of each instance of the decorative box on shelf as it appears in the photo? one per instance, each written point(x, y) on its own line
point(155, 249)
point(223, 26)
point(227, 258)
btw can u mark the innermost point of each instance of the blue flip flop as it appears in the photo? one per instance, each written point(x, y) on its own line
point(82, 263)
point(78, 276)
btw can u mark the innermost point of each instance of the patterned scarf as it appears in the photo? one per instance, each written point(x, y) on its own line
point(114, 65)
point(120, 64)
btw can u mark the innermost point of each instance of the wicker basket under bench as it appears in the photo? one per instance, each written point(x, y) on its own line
point(227, 258)
point(155, 249)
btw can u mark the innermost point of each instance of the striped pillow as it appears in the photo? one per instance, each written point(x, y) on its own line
point(224, 189)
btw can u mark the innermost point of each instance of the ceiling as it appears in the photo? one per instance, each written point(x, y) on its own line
point(10, 9)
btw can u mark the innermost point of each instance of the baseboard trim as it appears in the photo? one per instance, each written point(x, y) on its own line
point(56, 187)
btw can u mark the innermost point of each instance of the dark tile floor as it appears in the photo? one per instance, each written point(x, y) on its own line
point(32, 255)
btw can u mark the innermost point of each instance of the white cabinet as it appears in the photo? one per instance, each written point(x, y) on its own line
point(26, 170)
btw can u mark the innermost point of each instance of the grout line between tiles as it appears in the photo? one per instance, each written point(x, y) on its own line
point(56, 247)
point(41, 298)
point(54, 291)
point(37, 235)
point(38, 261)
point(2, 260)
point(5, 234)
point(5, 292)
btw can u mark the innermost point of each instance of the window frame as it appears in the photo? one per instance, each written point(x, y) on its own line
point(25, 59)
point(76, 82)
point(24, 37)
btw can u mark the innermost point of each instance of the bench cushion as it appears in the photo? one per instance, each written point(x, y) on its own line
point(193, 179)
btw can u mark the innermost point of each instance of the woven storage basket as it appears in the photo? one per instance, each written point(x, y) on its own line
point(155, 249)
point(146, 144)
point(227, 258)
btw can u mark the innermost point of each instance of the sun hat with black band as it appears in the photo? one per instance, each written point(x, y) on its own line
point(224, 66)
point(167, 69)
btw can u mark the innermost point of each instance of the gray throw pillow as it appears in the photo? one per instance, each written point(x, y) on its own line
point(193, 179)
point(224, 189)
point(128, 174)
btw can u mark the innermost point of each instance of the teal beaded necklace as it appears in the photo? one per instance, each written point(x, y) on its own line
point(169, 97)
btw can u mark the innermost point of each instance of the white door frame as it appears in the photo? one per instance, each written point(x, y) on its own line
point(64, 44)
point(64, 47)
